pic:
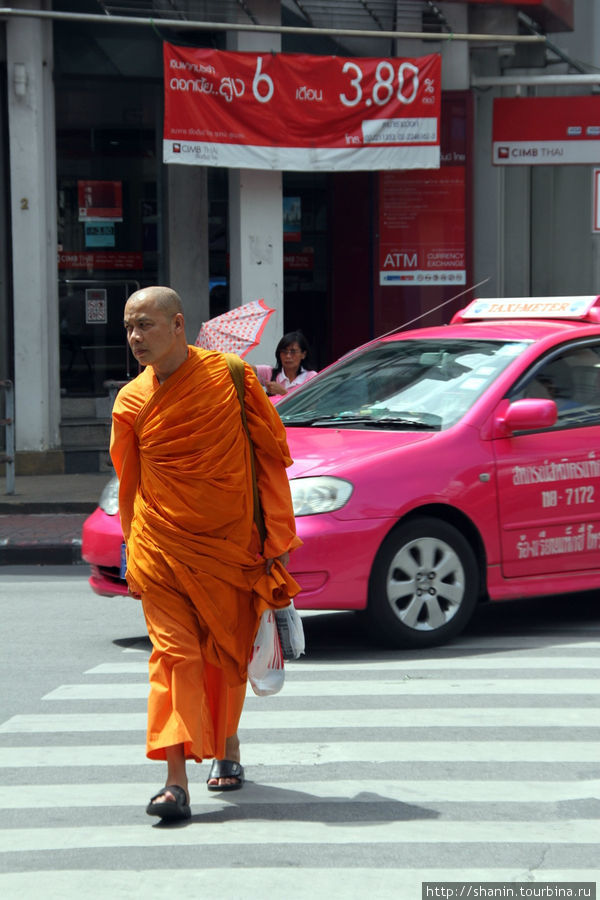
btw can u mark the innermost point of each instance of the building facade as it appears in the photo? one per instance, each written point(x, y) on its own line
point(89, 212)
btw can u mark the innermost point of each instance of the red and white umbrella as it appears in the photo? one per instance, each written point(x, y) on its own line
point(236, 331)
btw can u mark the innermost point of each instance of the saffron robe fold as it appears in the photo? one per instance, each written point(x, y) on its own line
point(186, 505)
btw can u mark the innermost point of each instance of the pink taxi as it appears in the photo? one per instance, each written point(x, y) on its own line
point(438, 468)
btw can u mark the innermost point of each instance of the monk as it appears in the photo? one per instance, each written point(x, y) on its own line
point(194, 555)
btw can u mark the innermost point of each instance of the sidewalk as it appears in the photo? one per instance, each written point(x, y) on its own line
point(41, 522)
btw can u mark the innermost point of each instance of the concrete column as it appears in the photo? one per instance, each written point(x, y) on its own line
point(488, 181)
point(517, 249)
point(584, 43)
point(5, 284)
point(256, 250)
point(256, 215)
point(488, 205)
point(455, 54)
point(34, 235)
point(489, 211)
point(187, 234)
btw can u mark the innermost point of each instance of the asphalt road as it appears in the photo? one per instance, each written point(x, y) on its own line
point(372, 771)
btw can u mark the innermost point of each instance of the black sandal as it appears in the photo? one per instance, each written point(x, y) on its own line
point(173, 810)
point(226, 768)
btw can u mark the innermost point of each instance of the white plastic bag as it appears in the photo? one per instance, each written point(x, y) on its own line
point(265, 669)
point(291, 631)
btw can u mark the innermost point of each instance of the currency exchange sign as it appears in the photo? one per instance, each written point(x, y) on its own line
point(300, 112)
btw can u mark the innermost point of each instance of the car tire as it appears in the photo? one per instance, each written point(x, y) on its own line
point(424, 585)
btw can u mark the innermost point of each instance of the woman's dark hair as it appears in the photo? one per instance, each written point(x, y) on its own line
point(292, 337)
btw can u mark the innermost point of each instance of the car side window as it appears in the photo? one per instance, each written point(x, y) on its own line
point(572, 380)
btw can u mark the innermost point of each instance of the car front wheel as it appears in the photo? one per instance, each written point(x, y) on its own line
point(424, 584)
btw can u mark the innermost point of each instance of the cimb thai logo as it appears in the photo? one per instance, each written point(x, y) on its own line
point(522, 152)
point(200, 151)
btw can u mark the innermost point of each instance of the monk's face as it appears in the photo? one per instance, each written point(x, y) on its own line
point(153, 335)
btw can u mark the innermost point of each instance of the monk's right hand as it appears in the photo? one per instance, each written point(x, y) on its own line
point(284, 559)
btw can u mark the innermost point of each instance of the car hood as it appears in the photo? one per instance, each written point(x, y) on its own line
point(327, 451)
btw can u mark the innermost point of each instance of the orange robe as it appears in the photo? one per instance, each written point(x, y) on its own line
point(193, 552)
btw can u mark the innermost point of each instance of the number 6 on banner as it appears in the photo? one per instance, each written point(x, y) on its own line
point(258, 77)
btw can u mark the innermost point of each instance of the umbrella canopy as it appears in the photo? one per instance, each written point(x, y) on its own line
point(236, 331)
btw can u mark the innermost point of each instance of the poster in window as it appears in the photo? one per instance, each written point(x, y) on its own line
point(96, 310)
point(422, 227)
point(99, 234)
point(100, 201)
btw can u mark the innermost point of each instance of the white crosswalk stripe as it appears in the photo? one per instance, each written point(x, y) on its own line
point(51, 795)
point(346, 688)
point(433, 762)
point(319, 752)
point(518, 660)
point(308, 833)
point(523, 717)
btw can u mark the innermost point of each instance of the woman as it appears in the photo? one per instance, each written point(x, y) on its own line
point(290, 371)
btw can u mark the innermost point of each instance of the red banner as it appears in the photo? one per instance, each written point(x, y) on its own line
point(300, 112)
point(546, 130)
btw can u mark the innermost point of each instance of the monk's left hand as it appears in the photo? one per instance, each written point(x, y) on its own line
point(283, 559)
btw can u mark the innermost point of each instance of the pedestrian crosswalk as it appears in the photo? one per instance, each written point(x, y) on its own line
point(319, 719)
point(477, 762)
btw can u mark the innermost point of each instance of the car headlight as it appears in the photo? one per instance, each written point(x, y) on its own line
point(320, 494)
point(109, 498)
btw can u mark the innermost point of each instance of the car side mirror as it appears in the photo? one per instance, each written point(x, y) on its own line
point(525, 415)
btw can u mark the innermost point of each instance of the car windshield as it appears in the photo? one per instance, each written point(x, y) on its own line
point(408, 385)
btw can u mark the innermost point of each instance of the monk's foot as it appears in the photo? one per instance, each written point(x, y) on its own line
point(172, 803)
point(168, 796)
point(227, 774)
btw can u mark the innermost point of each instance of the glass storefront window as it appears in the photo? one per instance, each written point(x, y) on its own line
point(305, 258)
point(108, 177)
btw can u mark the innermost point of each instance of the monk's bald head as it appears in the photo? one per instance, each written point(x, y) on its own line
point(155, 327)
point(165, 299)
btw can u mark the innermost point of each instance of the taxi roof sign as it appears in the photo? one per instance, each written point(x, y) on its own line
point(528, 308)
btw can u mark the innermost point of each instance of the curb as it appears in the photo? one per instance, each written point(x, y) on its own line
point(38, 554)
point(43, 507)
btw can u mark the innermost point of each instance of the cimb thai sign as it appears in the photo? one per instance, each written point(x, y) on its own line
point(542, 131)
